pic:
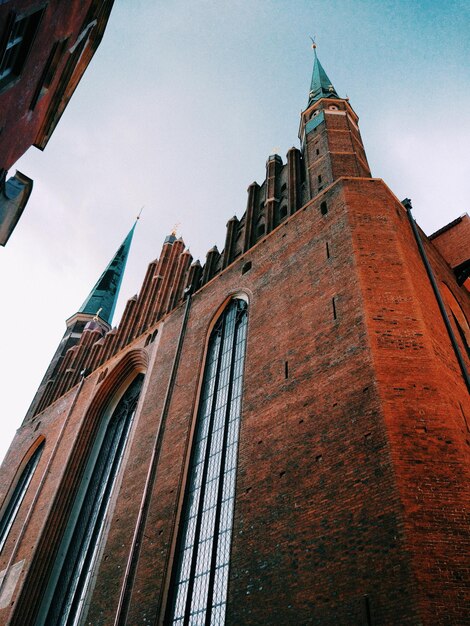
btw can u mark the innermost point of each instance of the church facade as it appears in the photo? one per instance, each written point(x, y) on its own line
point(279, 436)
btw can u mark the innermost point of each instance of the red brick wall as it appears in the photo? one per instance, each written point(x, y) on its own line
point(423, 396)
point(352, 470)
point(454, 243)
point(339, 143)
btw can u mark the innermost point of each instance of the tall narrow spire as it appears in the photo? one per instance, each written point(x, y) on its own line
point(103, 297)
point(321, 86)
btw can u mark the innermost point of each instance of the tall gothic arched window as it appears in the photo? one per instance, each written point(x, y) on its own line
point(18, 494)
point(200, 579)
point(67, 590)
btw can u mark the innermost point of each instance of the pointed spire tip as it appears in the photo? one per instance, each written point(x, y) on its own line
point(320, 86)
point(102, 299)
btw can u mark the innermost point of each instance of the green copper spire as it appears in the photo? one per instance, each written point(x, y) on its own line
point(321, 86)
point(104, 295)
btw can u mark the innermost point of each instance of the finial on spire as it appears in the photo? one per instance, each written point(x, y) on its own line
point(140, 212)
point(175, 228)
point(97, 314)
point(314, 45)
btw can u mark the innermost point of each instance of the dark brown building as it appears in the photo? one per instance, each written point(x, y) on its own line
point(278, 437)
point(45, 47)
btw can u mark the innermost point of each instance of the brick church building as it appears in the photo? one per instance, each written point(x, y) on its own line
point(279, 436)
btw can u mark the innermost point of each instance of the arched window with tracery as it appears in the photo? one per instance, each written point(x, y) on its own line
point(66, 594)
point(200, 579)
point(19, 492)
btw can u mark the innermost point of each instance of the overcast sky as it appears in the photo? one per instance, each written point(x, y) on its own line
point(179, 110)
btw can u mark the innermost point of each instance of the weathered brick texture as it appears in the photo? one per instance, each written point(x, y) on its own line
point(452, 241)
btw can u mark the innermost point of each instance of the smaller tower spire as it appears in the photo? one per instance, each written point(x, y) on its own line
point(321, 86)
point(95, 313)
point(104, 295)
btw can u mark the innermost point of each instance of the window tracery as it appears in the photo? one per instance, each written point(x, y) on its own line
point(203, 554)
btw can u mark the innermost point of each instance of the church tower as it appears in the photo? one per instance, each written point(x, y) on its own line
point(278, 436)
point(95, 314)
point(329, 134)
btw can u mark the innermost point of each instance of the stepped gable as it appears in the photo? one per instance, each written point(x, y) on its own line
point(172, 275)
